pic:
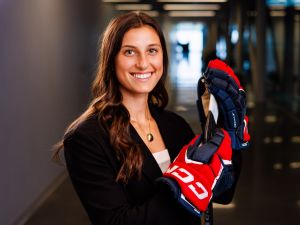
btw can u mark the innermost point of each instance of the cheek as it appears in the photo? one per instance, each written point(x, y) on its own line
point(122, 64)
point(158, 63)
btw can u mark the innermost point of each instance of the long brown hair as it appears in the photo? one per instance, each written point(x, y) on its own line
point(107, 99)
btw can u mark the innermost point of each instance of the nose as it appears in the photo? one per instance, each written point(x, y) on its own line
point(142, 62)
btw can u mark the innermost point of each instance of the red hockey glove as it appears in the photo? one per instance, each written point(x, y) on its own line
point(225, 86)
point(197, 170)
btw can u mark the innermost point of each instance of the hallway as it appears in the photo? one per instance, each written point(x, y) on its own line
point(48, 58)
point(268, 189)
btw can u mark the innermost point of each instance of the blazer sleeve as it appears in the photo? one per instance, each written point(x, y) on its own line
point(105, 200)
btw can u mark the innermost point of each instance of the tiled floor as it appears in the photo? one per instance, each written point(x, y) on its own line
point(268, 192)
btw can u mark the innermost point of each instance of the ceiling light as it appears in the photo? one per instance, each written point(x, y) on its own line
point(133, 7)
point(119, 1)
point(192, 13)
point(188, 1)
point(152, 13)
point(277, 7)
point(191, 7)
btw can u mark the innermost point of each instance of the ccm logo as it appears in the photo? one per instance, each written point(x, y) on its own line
point(186, 177)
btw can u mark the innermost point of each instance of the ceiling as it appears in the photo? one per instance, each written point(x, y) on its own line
point(173, 8)
point(196, 8)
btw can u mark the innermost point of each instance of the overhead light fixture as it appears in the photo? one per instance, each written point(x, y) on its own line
point(133, 7)
point(119, 1)
point(152, 13)
point(191, 7)
point(277, 7)
point(189, 1)
point(191, 13)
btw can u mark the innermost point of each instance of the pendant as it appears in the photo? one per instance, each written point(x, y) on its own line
point(150, 137)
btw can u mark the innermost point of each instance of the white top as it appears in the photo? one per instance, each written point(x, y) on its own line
point(163, 159)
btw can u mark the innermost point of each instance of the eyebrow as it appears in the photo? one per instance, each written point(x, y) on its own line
point(132, 46)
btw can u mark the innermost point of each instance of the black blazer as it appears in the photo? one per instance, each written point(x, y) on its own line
point(93, 167)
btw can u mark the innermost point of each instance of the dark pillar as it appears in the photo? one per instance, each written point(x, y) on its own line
point(239, 47)
point(259, 76)
point(288, 63)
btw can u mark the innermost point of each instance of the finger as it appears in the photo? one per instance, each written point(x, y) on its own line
point(204, 152)
point(215, 73)
point(217, 83)
point(229, 99)
point(225, 100)
point(240, 102)
point(220, 65)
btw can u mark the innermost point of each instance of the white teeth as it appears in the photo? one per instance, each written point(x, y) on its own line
point(142, 76)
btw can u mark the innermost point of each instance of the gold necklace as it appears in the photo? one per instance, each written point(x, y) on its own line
point(149, 135)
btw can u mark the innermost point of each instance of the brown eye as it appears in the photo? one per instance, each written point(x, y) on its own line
point(153, 51)
point(129, 52)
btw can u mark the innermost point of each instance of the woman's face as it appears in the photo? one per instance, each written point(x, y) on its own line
point(139, 63)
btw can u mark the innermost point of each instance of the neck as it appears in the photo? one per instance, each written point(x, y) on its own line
point(140, 114)
point(138, 108)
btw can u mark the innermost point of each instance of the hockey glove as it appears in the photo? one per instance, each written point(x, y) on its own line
point(196, 171)
point(225, 86)
point(211, 153)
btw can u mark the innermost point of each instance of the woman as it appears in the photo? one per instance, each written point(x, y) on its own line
point(125, 139)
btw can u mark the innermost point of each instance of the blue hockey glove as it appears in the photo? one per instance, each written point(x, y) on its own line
point(225, 86)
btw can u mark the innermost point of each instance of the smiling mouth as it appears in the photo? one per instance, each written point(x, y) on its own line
point(142, 75)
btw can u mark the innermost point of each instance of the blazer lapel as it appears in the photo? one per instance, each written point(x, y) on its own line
point(150, 167)
point(164, 130)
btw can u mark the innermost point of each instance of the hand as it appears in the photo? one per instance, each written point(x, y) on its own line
point(197, 171)
point(216, 150)
point(231, 97)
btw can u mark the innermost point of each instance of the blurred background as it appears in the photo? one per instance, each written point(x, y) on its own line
point(48, 56)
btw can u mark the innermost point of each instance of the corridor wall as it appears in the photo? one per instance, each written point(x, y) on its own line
point(47, 57)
